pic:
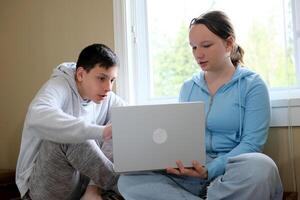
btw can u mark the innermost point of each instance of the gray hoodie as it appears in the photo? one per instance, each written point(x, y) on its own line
point(59, 114)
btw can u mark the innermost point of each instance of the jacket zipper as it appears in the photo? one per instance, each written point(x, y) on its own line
point(210, 135)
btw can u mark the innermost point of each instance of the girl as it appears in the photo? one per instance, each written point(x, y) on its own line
point(237, 121)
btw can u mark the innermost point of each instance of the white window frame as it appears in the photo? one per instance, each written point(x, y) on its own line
point(285, 103)
point(296, 25)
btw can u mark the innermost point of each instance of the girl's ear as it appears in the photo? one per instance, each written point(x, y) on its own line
point(229, 43)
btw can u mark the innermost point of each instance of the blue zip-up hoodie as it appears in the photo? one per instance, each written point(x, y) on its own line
point(237, 116)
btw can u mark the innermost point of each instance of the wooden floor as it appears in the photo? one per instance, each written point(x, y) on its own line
point(9, 191)
point(290, 196)
point(8, 188)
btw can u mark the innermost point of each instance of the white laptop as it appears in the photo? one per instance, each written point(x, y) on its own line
point(153, 137)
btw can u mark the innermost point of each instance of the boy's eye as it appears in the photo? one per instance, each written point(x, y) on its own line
point(101, 78)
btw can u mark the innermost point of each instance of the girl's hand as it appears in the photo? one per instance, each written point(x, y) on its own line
point(197, 170)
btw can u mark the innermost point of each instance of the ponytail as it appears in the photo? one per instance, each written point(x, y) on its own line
point(236, 55)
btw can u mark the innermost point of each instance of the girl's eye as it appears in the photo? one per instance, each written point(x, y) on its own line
point(194, 48)
point(206, 45)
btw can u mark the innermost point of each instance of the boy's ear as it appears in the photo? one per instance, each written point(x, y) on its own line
point(79, 74)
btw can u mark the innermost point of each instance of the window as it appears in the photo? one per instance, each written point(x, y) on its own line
point(159, 58)
point(152, 43)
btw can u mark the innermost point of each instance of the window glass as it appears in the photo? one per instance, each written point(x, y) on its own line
point(263, 29)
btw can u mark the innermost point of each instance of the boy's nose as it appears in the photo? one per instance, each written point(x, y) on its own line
point(108, 86)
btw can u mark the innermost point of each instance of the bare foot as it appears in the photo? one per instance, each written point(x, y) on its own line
point(92, 193)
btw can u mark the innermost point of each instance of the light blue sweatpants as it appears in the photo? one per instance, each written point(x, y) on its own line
point(247, 176)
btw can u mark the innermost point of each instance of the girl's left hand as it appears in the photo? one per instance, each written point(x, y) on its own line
point(197, 170)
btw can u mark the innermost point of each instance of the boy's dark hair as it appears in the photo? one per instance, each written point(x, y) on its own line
point(96, 54)
point(218, 23)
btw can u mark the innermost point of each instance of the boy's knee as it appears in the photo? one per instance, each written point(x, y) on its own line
point(51, 150)
point(80, 148)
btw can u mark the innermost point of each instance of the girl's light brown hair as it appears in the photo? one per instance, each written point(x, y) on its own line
point(218, 23)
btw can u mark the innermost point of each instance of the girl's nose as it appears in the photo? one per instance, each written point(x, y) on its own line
point(199, 53)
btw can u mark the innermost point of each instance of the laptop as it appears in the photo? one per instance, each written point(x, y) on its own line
point(153, 137)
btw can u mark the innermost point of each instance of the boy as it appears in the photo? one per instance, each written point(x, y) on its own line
point(65, 126)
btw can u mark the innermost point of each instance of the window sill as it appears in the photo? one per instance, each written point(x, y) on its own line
point(285, 107)
point(285, 112)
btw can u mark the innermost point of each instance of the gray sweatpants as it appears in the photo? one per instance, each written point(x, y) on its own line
point(63, 171)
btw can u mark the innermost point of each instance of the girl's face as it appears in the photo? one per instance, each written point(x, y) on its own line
point(211, 52)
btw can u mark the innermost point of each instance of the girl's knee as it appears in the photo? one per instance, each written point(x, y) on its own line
point(260, 166)
point(261, 163)
point(123, 184)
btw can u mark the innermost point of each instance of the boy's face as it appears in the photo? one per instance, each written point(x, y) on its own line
point(95, 84)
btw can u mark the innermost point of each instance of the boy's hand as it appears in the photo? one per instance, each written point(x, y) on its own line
point(107, 132)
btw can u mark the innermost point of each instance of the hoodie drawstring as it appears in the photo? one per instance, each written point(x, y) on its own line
point(190, 93)
point(240, 109)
